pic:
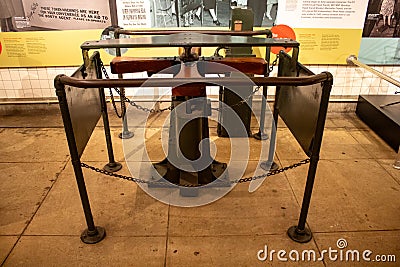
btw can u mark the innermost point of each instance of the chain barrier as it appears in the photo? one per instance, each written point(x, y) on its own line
point(274, 63)
point(103, 69)
point(244, 101)
point(164, 183)
point(125, 99)
point(271, 68)
point(148, 110)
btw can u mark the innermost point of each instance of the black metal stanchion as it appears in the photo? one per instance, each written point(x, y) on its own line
point(125, 134)
point(93, 234)
point(301, 233)
point(270, 164)
point(261, 135)
point(112, 165)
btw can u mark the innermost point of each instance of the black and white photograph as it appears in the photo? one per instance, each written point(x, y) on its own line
point(9, 10)
point(382, 19)
point(47, 15)
point(208, 13)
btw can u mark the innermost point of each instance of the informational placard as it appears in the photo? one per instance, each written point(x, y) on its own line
point(380, 44)
point(336, 14)
point(59, 48)
point(43, 48)
point(328, 30)
point(67, 15)
point(134, 13)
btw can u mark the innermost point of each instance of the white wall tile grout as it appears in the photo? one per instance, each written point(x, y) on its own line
point(38, 82)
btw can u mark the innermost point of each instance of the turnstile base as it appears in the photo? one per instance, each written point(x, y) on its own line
point(188, 181)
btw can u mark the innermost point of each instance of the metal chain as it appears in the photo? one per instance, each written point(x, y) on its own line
point(274, 63)
point(271, 173)
point(271, 68)
point(124, 98)
point(139, 107)
point(237, 181)
point(148, 110)
point(103, 69)
point(240, 102)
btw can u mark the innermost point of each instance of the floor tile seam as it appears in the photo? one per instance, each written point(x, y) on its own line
point(364, 129)
point(78, 235)
point(357, 128)
point(29, 162)
point(67, 157)
point(30, 127)
point(290, 185)
point(340, 128)
point(373, 156)
point(57, 175)
point(228, 235)
point(330, 159)
point(362, 145)
point(34, 214)
point(167, 236)
point(389, 173)
point(10, 251)
point(357, 231)
point(319, 249)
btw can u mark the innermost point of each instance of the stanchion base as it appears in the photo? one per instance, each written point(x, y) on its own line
point(396, 164)
point(112, 167)
point(126, 135)
point(300, 236)
point(93, 237)
point(267, 166)
point(260, 136)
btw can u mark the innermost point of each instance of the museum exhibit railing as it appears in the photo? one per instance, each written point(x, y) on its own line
point(301, 100)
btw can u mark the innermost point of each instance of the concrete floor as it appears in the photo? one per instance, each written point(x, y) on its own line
point(356, 198)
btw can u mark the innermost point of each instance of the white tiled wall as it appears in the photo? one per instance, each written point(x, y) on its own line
point(28, 83)
point(37, 83)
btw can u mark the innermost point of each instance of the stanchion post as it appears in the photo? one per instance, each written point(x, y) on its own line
point(301, 233)
point(93, 234)
point(112, 165)
point(261, 135)
point(125, 134)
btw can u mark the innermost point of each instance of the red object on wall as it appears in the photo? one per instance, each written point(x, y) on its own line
point(282, 31)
